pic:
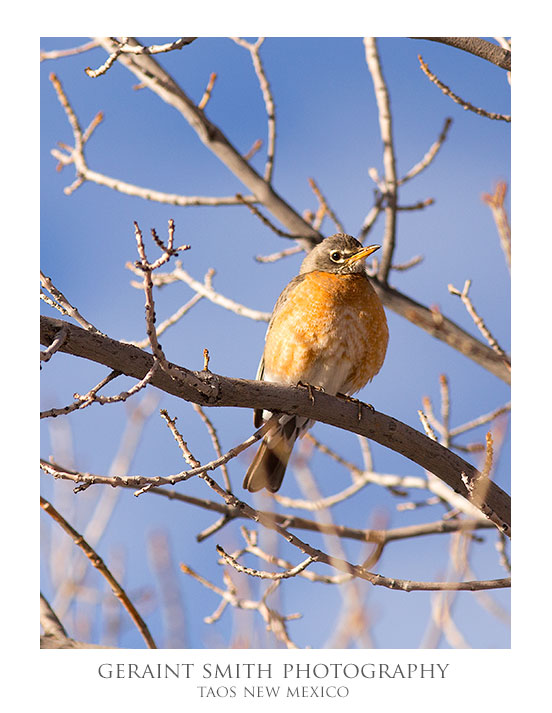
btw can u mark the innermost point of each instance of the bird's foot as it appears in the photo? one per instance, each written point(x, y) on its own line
point(311, 388)
point(359, 403)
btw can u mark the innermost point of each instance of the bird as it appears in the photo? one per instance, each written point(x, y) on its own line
point(328, 330)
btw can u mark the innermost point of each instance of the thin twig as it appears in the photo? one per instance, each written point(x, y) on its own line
point(138, 481)
point(480, 324)
point(81, 401)
point(99, 564)
point(125, 48)
point(480, 420)
point(84, 173)
point(57, 54)
point(496, 204)
point(372, 216)
point(385, 123)
point(60, 337)
point(279, 255)
point(264, 219)
point(207, 93)
point(416, 260)
point(430, 155)
point(463, 103)
point(324, 205)
point(124, 395)
point(253, 49)
point(215, 440)
point(286, 574)
point(275, 622)
point(186, 453)
point(417, 206)
point(64, 306)
point(204, 289)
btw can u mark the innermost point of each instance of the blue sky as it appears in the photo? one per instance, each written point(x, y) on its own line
point(327, 129)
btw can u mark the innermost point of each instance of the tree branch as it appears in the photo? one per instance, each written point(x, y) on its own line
point(158, 80)
point(97, 562)
point(210, 389)
point(444, 329)
point(477, 46)
point(389, 163)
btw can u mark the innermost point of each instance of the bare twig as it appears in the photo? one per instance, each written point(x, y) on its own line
point(275, 622)
point(417, 206)
point(372, 216)
point(124, 395)
point(173, 319)
point(286, 574)
point(57, 54)
point(385, 122)
point(158, 80)
point(324, 206)
point(124, 48)
point(138, 481)
point(81, 401)
point(63, 305)
point(416, 260)
point(215, 440)
point(480, 420)
point(264, 219)
point(480, 324)
point(279, 255)
point(208, 89)
point(205, 290)
point(253, 49)
point(430, 155)
point(485, 471)
point(496, 204)
point(47, 354)
point(186, 453)
point(98, 563)
point(426, 425)
point(84, 173)
point(463, 103)
point(329, 501)
point(146, 268)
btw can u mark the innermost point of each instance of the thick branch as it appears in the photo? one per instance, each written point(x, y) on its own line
point(210, 389)
point(477, 46)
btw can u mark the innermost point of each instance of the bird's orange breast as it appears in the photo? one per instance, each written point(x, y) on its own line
point(329, 331)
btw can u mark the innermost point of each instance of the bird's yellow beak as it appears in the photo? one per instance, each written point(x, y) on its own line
point(362, 253)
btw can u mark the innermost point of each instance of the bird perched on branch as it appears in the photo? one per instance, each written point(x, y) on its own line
point(328, 330)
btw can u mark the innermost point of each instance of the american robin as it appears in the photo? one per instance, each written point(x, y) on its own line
point(328, 329)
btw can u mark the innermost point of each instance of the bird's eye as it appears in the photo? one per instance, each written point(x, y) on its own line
point(335, 256)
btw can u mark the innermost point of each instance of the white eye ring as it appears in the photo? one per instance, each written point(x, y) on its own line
point(336, 256)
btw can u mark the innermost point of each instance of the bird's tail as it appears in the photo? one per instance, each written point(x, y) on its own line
point(269, 464)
